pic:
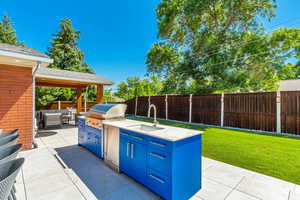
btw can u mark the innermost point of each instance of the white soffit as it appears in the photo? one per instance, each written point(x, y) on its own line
point(17, 58)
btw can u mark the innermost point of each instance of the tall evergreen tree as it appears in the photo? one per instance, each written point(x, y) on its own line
point(8, 33)
point(66, 55)
point(64, 49)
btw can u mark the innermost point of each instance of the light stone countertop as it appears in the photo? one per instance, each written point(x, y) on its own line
point(170, 133)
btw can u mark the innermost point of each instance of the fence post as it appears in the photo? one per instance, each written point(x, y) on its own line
point(191, 104)
point(222, 109)
point(59, 105)
point(278, 113)
point(135, 108)
point(166, 100)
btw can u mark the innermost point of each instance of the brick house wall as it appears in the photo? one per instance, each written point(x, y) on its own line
point(16, 102)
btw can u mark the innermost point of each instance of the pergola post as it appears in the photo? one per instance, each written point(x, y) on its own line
point(79, 99)
point(99, 94)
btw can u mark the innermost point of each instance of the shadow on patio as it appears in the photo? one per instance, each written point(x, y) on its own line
point(102, 181)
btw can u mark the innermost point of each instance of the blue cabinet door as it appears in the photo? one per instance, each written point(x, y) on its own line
point(94, 141)
point(125, 160)
point(98, 145)
point(93, 146)
point(138, 155)
point(133, 158)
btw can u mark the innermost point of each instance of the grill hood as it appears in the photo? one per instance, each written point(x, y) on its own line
point(107, 111)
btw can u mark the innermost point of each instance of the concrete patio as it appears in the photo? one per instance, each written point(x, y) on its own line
point(60, 170)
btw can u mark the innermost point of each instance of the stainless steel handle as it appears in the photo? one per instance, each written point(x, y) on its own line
point(127, 149)
point(157, 156)
point(157, 144)
point(126, 134)
point(156, 178)
point(138, 138)
point(132, 151)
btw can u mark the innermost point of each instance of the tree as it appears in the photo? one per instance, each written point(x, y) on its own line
point(66, 55)
point(8, 33)
point(64, 49)
point(213, 45)
point(134, 87)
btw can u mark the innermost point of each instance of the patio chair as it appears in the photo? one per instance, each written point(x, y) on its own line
point(52, 119)
point(9, 152)
point(8, 173)
point(8, 141)
point(9, 133)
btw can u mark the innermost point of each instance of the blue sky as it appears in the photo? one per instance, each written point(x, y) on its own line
point(115, 35)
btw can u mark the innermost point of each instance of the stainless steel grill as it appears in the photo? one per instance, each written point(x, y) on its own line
point(108, 111)
point(101, 112)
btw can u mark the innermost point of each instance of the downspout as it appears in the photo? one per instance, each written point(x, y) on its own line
point(34, 126)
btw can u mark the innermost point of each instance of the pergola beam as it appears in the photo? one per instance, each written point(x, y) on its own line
point(59, 85)
point(99, 94)
point(79, 99)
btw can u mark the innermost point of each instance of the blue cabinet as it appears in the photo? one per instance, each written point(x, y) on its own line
point(132, 157)
point(90, 138)
point(94, 140)
point(170, 169)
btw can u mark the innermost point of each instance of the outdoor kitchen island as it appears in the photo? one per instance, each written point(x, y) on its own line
point(165, 159)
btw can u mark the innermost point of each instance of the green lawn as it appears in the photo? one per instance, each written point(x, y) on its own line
point(271, 155)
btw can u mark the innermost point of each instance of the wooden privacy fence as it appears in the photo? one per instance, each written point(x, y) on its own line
point(266, 111)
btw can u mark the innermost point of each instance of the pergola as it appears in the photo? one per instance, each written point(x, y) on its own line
point(68, 79)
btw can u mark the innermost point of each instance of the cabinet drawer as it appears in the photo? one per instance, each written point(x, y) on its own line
point(138, 137)
point(91, 129)
point(158, 183)
point(124, 135)
point(159, 161)
point(157, 143)
point(127, 132)
point(133, 136)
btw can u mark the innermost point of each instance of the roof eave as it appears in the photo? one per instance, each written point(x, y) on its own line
point(25, 56)
point(71, 79)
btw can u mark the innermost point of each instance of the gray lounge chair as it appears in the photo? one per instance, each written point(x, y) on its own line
point(9, 133)
point(8, 153)
point(8, 141)
point(8, 173)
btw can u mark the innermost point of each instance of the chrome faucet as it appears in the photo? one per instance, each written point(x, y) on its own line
point(149, 110)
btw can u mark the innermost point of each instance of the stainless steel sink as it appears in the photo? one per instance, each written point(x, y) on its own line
point(144, 127)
